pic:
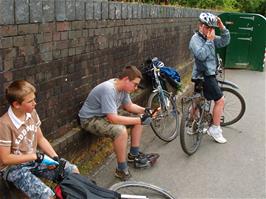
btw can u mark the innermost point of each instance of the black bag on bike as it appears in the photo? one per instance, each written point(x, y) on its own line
point(76, 186)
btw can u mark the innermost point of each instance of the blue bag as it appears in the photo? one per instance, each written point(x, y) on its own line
point(171, 75)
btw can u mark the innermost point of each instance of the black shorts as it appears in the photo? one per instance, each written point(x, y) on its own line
point(211, 89)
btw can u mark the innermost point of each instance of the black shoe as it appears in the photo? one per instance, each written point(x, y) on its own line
point(143, 160)
point(131, 158)
point(122, 174)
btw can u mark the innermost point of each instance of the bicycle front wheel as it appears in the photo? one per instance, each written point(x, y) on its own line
point(140, 190)
point(190, 127)
point(234, 107)
point(165, 125)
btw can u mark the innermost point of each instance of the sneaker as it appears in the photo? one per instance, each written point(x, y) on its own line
point(122, 174)
point(131, 158)
point(216, 133)
point(143, 160)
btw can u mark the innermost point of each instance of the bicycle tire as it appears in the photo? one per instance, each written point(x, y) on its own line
point(190, 134)
point(127, 187)
point(165, 125)
point(234, 107)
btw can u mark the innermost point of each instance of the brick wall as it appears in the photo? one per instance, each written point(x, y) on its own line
point(67, 47)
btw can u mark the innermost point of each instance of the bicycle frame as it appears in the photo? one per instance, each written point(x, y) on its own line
point(201, 104)
point(158, 87)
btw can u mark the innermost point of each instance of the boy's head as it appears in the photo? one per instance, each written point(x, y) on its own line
point(131, 77)
point(18, 90)
point(131, 72)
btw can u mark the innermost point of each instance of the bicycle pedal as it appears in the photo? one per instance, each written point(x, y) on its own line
point(204, 130)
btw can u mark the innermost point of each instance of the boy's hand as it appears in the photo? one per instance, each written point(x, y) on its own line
point(220, 23)
point(155, 112)
point(56, 158)
point(146, 119)
point(211, 34)
point(147, 110)
point(44, 159)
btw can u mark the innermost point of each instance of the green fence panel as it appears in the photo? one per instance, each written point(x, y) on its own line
point(247, 48)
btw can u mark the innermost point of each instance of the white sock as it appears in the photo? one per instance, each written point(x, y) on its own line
point(214, 126)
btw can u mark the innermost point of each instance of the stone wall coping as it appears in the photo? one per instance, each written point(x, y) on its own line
point(43, 11)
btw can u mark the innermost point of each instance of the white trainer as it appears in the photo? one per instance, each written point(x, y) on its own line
point(216, 133)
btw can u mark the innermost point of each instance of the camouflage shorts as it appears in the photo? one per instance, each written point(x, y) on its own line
point(24, 179)
point(101, 127)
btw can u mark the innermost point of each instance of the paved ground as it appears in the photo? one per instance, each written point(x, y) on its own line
point(233, 170)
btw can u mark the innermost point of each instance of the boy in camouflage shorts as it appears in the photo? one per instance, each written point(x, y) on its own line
point(100, 115)
point(20, 135)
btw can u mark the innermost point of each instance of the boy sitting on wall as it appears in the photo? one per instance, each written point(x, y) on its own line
point(20, 134)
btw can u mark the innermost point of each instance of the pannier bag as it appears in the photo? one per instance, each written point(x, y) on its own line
point(171, 75)
point(76, 186)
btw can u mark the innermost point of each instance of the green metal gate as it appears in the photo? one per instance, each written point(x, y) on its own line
point(248, 41)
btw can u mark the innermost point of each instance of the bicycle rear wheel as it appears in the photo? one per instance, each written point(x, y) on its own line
point(165, 125)
point(234, 107)
point(141, 190)
point(190, 127)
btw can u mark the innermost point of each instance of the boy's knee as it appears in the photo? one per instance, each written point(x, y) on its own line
point(122, 134)
point(220, 101)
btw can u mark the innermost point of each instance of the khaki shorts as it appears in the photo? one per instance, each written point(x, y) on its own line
point(100, 126)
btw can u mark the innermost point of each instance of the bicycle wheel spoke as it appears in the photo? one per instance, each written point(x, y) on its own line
point(234, 106)
point(166, 122)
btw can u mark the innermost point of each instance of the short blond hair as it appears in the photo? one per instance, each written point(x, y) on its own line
point(17, 90)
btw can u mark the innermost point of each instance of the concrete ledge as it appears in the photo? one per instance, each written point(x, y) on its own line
point(9, 191)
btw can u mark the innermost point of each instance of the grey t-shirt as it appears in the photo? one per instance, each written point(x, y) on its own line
point(103, 99)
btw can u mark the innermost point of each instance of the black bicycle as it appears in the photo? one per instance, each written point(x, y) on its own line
point(166, 122)
point(196, 109)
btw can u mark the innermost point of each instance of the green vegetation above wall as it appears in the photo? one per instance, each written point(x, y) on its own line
point(252, 6)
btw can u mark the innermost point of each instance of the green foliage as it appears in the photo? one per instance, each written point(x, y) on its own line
point(253, 6)
point(231, 5)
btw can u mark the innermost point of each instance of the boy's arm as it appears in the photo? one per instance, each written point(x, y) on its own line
point(124, 120)
point(127, 120)
point(7, 158)
point(44, 145)
point(134, 108)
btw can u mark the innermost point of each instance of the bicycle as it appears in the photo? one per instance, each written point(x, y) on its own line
point(140, 190)
point(166, 122)
point(196, 109)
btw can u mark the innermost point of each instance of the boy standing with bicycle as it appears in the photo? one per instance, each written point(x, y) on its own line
point(202, 45)
point(99, 115)
point(20, 135)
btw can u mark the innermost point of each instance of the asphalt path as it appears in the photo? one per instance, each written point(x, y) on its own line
point(232, 170)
